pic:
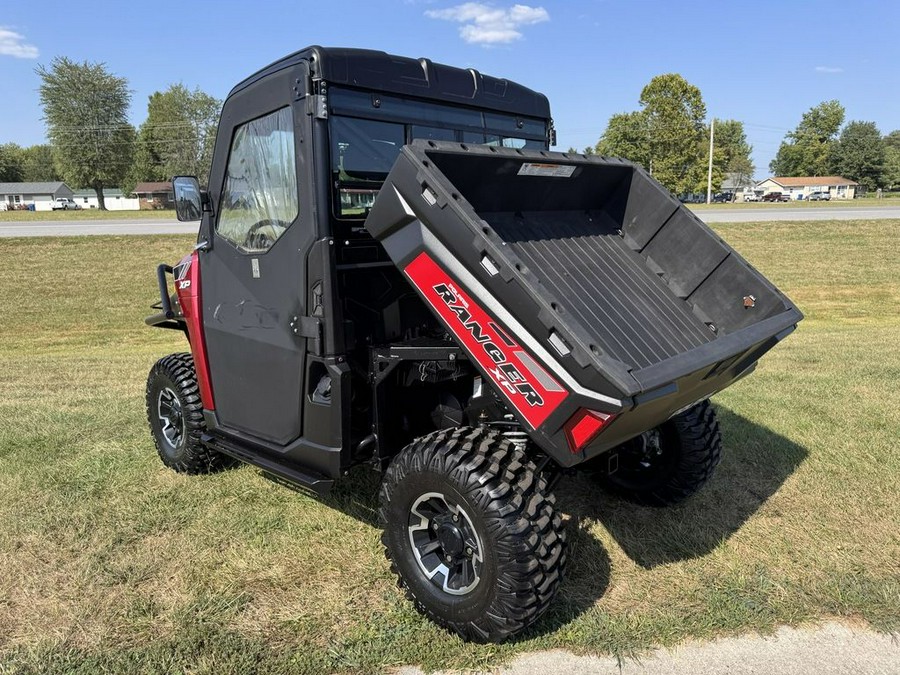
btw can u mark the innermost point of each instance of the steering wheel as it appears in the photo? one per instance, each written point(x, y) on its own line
point(264, 233)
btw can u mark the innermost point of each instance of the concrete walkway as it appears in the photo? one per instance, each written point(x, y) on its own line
point(832, 649)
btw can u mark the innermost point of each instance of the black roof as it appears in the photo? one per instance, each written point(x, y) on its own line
point(383, 72)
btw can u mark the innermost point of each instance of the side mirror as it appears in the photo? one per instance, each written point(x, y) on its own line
point(188, 198)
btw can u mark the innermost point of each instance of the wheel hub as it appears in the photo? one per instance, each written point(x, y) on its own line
point(171, 417)
point(444, 543)
point(451, 539)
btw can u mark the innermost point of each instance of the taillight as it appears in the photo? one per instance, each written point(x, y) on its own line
point(584, 426)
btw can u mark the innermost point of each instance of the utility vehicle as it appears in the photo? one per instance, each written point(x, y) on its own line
point(393, 269)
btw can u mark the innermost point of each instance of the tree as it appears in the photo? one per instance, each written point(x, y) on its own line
point(666, 136)
point(674, 115)
point(38, 165)
point(626, 137)
point(86, 111)
point(805, 151)
point(735, 158)
point(177, 137)
point(12, 160)
point(892, 160)
point(589, 150)
point(859, 154)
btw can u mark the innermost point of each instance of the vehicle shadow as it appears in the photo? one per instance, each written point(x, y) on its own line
point(355, 494)
point(755, 463)
point(587, 570)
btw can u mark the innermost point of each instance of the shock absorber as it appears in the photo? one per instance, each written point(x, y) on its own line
point(512, 430)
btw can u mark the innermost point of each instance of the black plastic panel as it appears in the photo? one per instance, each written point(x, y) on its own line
point(685, 260)
point(382, 72)
point(607, 273)
point(722, 297)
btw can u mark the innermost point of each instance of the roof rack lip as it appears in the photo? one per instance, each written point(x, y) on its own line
point(488, 92)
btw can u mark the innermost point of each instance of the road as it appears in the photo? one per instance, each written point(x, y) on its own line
point(763, 213)
point(61, 228)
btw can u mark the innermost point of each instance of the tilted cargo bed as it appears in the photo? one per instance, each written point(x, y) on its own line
point(593, 270)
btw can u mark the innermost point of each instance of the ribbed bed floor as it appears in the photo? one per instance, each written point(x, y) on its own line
point(604, 285)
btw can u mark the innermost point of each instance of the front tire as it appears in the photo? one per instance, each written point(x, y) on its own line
point(175, 414)
point(471, 533)
point(670, 463)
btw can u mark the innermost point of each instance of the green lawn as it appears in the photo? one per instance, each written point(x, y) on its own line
point(111, 563)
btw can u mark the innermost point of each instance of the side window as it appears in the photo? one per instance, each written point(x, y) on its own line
point(259, 199)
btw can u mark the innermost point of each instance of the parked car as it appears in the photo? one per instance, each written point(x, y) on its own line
point(723, 198)
point(64, 204)
point(776, 197)
point(751, 197)
point(820, 196)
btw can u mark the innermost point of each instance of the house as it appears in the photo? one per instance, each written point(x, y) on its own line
point(41, 195)
point(736, 182)
point(113, 198)
point(801, 187)
point(155, 195)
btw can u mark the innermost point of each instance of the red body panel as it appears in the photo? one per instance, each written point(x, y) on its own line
point(187, 286)
point(527, 386)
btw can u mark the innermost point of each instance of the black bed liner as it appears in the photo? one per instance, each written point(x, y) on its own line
point(603, 285)
point(626, 288)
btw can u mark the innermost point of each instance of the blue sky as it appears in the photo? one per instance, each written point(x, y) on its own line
point(764, 63)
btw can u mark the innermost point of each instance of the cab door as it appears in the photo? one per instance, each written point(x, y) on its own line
point(253, 270)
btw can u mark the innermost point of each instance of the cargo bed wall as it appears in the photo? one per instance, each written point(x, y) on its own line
point(632, 281)
point(595, 219)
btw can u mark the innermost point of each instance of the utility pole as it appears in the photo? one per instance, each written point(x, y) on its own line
point(712, 134)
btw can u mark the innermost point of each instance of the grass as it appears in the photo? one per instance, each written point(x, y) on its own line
point(111, 563)
point(84, 214)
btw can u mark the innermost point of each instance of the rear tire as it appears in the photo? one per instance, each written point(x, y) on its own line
point(471, 533)
point(175, 414)
point(670, 463)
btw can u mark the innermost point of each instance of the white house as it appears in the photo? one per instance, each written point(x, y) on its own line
point(42, 195)
point(801, 187)
point(112, 198)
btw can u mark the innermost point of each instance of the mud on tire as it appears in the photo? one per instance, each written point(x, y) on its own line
point(504, 511)
point(175, 414)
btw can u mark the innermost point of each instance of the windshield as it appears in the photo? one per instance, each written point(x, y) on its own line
point(363, 150)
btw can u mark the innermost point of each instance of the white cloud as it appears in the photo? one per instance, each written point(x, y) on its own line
point(13, 44)
point(830, 70)
point(487, 25)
